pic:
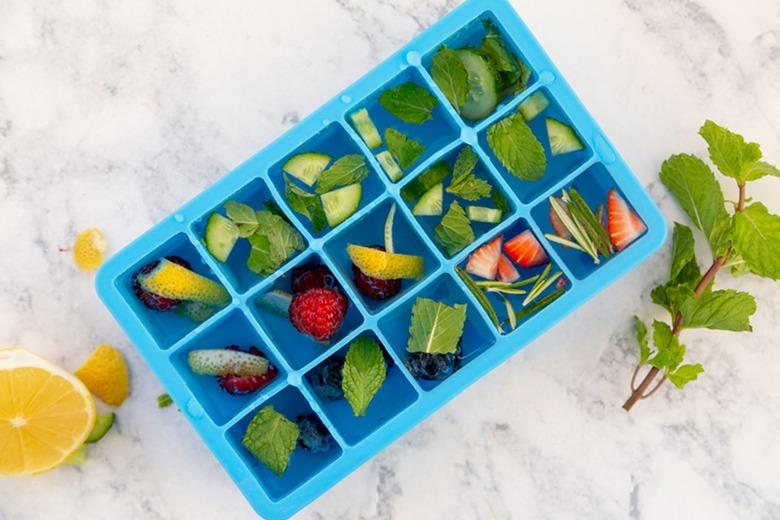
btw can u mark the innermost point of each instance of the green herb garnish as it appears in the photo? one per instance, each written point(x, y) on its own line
point(436, 328)
point(363, 374)
point(271, 438)
point(409, 102)
point(450, 76)
point(511, 74)
point(164, 401)
point(305, 203)
point(454, 233)
point(425, 181)
point(347, 170)
point(464, 183)
point(272, 244)
point(406, 151)
point(517, 148)
point(243, 217)
point(587, 232)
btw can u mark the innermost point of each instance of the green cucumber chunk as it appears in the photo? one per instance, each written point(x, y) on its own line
point(482, 214)
point(390, 166)
point(307, 167)
point(220, 236)
point(340, 204)
point(483, 96)
point(562, 137)
point(103, 423)
point(276, 301)
point(366, 128)
point(534, 105)
point(431, 204)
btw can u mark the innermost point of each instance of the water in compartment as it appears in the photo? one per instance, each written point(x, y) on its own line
point(476, 337)
point(165, 327)
point(369, 231)
point(232, 329)
point(303, 464)
point(395, 395)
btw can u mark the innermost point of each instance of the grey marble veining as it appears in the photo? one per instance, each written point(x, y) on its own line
point(114, 113)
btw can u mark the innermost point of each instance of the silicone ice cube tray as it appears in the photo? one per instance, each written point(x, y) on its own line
point(164, 339)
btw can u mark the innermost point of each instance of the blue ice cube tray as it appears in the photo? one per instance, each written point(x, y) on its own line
point(164, 339)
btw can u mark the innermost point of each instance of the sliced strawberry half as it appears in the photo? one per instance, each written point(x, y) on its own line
point(506, 270)
point(525, 250)
point(484, 261)
point(557, 225)
point(623, 224)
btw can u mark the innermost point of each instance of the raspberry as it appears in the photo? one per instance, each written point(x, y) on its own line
point(151, 300)
point(318, 313)
point(375, 288)
point(313, 436)
point(241, 385)
point(319, 277)
point(433, 367)
point(325, 379)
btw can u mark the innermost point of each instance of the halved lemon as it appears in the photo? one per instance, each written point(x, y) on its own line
point(46, 413)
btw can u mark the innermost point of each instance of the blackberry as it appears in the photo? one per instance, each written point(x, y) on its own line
point(152, 301)
point(325, 379)
point(433, 367)
point(313, 436)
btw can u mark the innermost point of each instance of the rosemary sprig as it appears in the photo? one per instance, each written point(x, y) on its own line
point(480, 296)
point(587, 233)
point(507, 285)
point(510, 311)
point(539, 304)
point(545, 280)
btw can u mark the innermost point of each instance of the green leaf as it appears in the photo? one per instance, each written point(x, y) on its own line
point(729, 151)
point(271, 438)
point(641, 338)
point(363, 374)
point(464, 163)
point(683, 252)
point(684, 273)
point(450, 76)
point(685, 374)
point(479, 295)
point(517, 148)
point(670, 352)
point(756, 238)
point(272, 244)
point(511, 73)
point(242, 216)
point(470, 188)
point(347, 170)
point(454, 232)
point(405, 150)
point(409, 102)
point(694, 186)
point(719, 310)
point(307, 204)
point(762, 169)
point(500, 202)
point(425, 181)
point(436, 327)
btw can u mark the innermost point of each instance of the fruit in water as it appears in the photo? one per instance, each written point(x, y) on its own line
point(623, 224)
point(483, 95)
point(482, 214)
point(220, 362)
point(103, 423)
point(198, 312)
point(534, 105)
point(525, 250)
point(313, 436)
point(171, 280)
point(277, 302)
point(317, 277)
point(557, 225)
point(562, 137)
point(366, 128)
point(433, 367)
point(105, 374)
point(375, 288)
point(89, 249)
point(389, 165)
point(151, 300)
point(318, 313)
point(236, 384)
point(431, 204)
point(506, 270)
point(220, 236)
point(307, 167)
point(484, 261)
point(325, 379)
point(385, 266)
point(340, 204)
point(46, 413)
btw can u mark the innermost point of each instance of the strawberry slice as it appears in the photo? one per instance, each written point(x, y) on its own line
point(484, 261)
point(525, 250)
point(557, 225)
point(506, 271)
point(623, 224)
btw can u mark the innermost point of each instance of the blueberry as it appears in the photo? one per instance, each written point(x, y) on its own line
point(313, 435)
point(433, 367)
point(325, 379)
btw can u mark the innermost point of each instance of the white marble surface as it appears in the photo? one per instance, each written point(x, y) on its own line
point(115, 113)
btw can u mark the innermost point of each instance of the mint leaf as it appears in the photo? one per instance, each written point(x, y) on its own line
point(307, 204)
point(512, 74)
point(242, 216)
point(719, 310)
point(470, 188)
point(363, 374)
point(500, 202)
point(409, 102)
point(641, 338)
point(271, 438)
point(762, 169)
point(405, 150)
point(454, 232)
point(694, 186)
point(464, 163)
point(517, 148)
point(272, 244)
point(670, 352)
point(729, 151)
point(685, 374)
point(682, 250)
point(684, 274)
point(450, 76)
point(425, 181)
point(436, 327)
point(756, 238)
point(347, 170)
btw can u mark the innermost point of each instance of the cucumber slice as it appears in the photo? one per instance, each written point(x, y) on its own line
point(431, 204)
point(340, 204)
point(534, 105)
point(482, 214)
point(276, 301)
point(390, 166)
point(103, 423)
point(366, 128)
point(562, 138)
point(483, 96)
point(220, 236)
point(307, 167)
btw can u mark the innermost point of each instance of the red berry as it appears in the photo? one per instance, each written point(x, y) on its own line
point(241, 385)
point(319, 277)
point(318, 313)
point(375, 288)
point(623, 224)
point(151, 300)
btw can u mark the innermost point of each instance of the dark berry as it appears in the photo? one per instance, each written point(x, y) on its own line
point(241, 385)
point(318, 277)
point(433, 367)
point(325, 379)
point(374, 287)
point(151, 300)
point(313, 436)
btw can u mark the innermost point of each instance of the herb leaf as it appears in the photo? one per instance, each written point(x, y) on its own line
point(425, 181)
point(363, 374)
point(762, 169)
point(454, 232)
point(409, 102)
point(641, 337)
point(683, 252)
point(729, 151)
point(719, 310)
point(470, 188)
point(756, 238)
point(242, 216)
point(685, 374)
point(450, 76)
point(271, 438)
point(670, 352)
point(517, 148)
point(464, 163)
point(405, 150)
point(479, 295)
point(512, 74)
point(272, 244)
point(307, 204)
point(347, 170)
point(436, 327)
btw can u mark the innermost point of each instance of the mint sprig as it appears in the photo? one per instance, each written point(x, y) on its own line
point(436, 327)
point(517, 148)
point(274, 241)
point(363, 374)
point(405, 150)
point(464, 183)
point(347, 170)
point(409, 102)
point(450, 76)
point(306, 204)
point(454, 232)
point(271, 438)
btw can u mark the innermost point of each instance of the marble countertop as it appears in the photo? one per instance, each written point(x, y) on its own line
point(115, 113)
